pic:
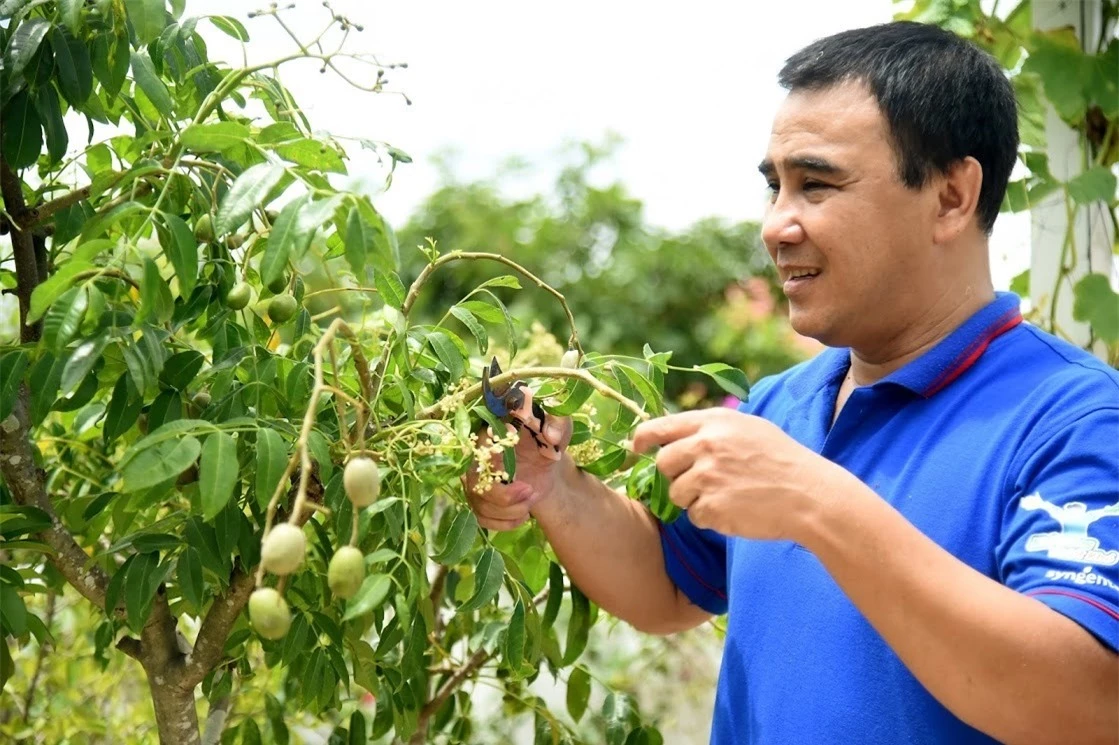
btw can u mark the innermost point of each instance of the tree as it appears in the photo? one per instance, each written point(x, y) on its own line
point(182, 437)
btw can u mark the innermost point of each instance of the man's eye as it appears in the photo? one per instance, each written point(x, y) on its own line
point(814, 185)
point(772, 187)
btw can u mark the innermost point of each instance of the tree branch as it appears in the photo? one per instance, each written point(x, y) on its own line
point(209, 646)
point(46, 210)
point(223, 613)
point(23, 250)
point(130, 647)
point(28, 486)
point(479, 658)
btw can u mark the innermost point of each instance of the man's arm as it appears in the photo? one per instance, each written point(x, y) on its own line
point(610, 546)
point(1001, 661)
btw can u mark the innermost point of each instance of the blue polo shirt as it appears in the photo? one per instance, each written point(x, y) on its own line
point(1001, 444)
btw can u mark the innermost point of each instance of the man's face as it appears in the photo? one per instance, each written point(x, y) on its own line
point(852, 244)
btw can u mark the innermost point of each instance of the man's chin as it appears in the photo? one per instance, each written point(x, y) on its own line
point(816, 324)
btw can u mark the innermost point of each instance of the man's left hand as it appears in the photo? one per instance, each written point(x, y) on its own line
point(738, 474)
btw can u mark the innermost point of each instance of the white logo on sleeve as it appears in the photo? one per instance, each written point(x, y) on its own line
point(1071, 542)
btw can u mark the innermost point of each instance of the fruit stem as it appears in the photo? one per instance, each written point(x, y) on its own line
point(353, 528)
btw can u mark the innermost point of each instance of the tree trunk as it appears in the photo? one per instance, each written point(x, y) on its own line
point(175, 713)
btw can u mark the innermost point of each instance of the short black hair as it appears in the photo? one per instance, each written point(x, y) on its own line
point(943, 99)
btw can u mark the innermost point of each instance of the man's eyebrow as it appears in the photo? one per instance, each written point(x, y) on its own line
point(812, 163)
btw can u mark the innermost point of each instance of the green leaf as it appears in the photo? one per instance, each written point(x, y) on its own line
point(605, 465)
point(1097, 304)
point(505, 280)
point(484, 311)
point(13, 613)
point(81, 363)
point(271, 461)
point(139, 588)
point(72, 14)
point(488, 574)
point(618, 712)
point(150, 83)
point(1063, 67)
point(45, 379)
point(370, 595)
point(230, 26)
point(144, 358)
point(245, 195)
point(13, 363)
point(311, 154)
point(161, 462)
point(476, 328)
point(110, 61)
point(515, 637)
point(250, 732)
point(218, 473)
point(50, 115)
point(148, 19)
point(181, 249)
point(460, 538)
point(190, 577)
point(124, 409)
point(359, 241)
point(1020, 285)
point(357, 729)
point(180, 369)
point(285, 237)
point(64, 318)
point(156, 302)
point(75, 71)
point(730, 379)
point(101, 224)
point(22, 138)
point(578, 626)
point(1094, 185)
point(448, 353)
point(215, 137)
point(578, 692)
point(390, 288)
point(23, 44)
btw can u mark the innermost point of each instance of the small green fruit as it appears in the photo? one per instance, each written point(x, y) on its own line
point(204, 229)
point(570, 359)
point(278, 285)
point(269, 613)
point(362, 481)
point(346, 572)
point(283, 549)
point(239, 296)
point(282, 308)
point(201, 400)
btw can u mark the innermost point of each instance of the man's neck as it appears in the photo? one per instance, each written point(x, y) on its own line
point(870, 364)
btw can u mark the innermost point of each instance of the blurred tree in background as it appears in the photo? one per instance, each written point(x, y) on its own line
point(627, 281)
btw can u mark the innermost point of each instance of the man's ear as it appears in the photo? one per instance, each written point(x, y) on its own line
point(958, 197)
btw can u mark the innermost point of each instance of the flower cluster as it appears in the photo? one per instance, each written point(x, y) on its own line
point(484, 456)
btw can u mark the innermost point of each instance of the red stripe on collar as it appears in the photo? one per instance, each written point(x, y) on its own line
point(972, 354)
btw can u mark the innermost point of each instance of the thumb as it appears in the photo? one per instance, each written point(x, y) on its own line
point(558, 430)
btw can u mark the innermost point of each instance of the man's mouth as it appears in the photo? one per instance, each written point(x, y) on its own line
point(798, 279)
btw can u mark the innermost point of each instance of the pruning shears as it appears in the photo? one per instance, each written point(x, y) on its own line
point(513, 403)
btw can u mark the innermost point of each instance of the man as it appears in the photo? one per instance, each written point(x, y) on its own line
point(867, 524)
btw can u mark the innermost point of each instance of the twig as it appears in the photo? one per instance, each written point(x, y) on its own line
point(44, 647)
point(476, 661)
point(215, 721)
point(437, 409)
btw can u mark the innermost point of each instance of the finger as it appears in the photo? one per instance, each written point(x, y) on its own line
point(666, 429)
point(684, 490)
point(490, 524)
point(558, 430)
point(677, 457)
point(504, 506)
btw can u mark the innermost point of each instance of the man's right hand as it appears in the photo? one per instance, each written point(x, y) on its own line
point(507, 506)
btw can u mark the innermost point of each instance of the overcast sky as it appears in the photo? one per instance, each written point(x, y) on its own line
point(689, 87)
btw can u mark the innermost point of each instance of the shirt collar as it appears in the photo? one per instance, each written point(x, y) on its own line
point(935, 369)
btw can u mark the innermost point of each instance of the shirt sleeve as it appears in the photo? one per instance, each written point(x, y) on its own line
point(1060, 533)
point(696, 561)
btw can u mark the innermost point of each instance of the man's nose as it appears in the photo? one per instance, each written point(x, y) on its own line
point(781, 225)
